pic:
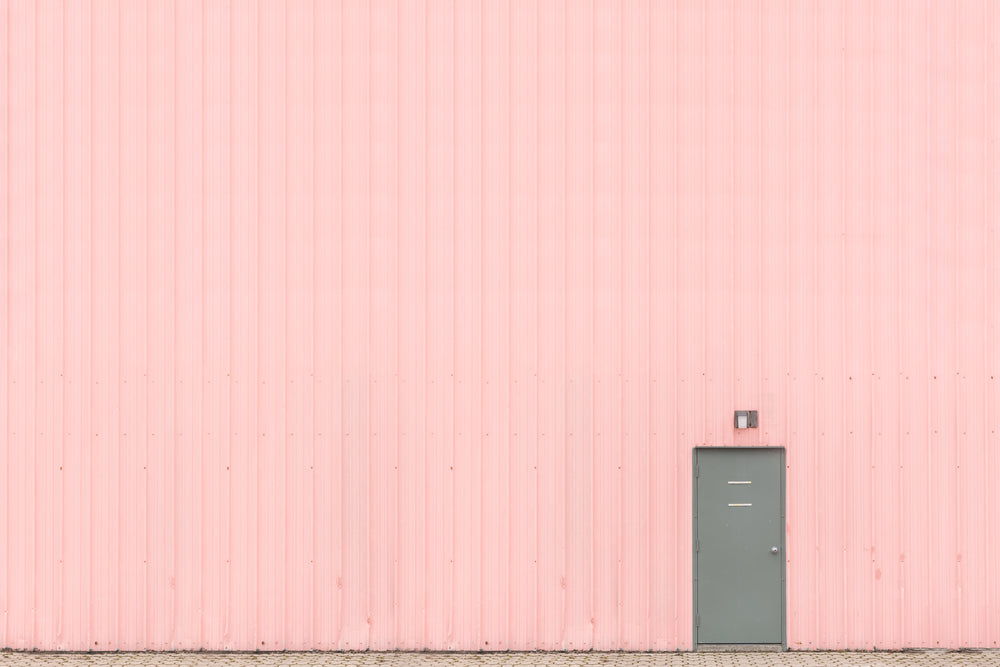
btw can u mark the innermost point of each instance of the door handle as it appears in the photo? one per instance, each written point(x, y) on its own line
point(774, 550)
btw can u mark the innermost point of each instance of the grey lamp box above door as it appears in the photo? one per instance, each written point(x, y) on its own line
point(745, 419)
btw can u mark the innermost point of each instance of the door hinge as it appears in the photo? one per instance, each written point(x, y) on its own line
point(697, 471)
point(697, 621)
point(697, 545)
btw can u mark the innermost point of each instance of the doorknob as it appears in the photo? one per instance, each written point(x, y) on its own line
point(774, 550)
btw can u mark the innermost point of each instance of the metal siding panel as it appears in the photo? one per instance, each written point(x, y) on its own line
point(886, 238)
point(441, 287)
point(5, 383)
point(245, 386)
point(384, 332)
point(50, 330)
point(716, 280)
point(21, 323)
point(76, 513)
point(692, 29)
point(327, 516)
point(802, 518)
point(470, 438)
point(607, 334)
point(161, 493)
point(941, 311)
point(970, 371)
point(216, 453)
point(75, 600)
point(664, 520)
point(829, 217)
point(913, 343)
point(991, 250)
point(272, 351)
point(356, 351)
point(105, 344)
point(412, 566)
point(579, 584)
point(524, 321)
point(773, 162)
point(393, 325)
point(133, 278)
point(551, 326)
point(300, 325)
point(635, 325)
point(857, 378)
point(746, 302)
point(189, 275)
point(496, 210)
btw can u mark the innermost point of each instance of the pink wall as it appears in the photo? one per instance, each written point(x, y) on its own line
point(392, 325)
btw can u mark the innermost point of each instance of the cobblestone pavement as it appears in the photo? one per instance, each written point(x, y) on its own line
point(792, 659)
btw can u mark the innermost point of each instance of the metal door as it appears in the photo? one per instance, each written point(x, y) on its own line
point(739, 555)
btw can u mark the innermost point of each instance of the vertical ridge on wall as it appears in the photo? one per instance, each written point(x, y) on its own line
point(991, 36)
point(189, 276)
point(393, 324)
point(242, 468)
point(858, 366)
point(21, 313)
point(328, 337)
point(413, 327)
point(578, 628)
point(912, 341)
point(5, 384)
point(440, 350)
point(940, 309)
point(302, 276)
point(133, 283)
point(216, 324)
point(691, 314)
point(469, 383)
point(607, 335)
point(25, 256)
point(829, 171)
point(495, 207)
point(886, 285)
point(383, 330)
point(970, 341)
point(161, 333)
point(635, 323)
point(717, 225)
point(104, 326)
point(50, 291)
point(524, 309)
point(550, 232)
point(356, 375)
point(273, 273)
point(802, 555)
point(663, 522)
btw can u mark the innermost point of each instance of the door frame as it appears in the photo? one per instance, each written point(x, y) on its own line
point(694, 538)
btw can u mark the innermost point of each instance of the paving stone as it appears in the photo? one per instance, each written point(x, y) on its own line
point(985, 658)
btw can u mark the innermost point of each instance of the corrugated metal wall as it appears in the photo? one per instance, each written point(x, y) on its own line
point(392, 325)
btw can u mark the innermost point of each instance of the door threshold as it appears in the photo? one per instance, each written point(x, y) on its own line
point(740, 648)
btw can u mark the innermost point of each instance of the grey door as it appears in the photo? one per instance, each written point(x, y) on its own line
point(739, 545)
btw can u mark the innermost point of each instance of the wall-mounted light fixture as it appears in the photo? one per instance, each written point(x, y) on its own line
point(745, 419)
